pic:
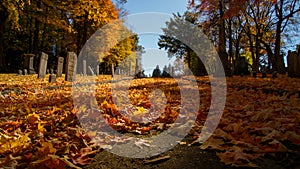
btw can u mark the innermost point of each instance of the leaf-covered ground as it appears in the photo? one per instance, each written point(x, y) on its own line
point(41, 128)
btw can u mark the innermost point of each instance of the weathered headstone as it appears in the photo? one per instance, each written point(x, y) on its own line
point(20, 72)
point(28, 63)
point(171, 70)
point(293, 60)
point(91, 70)
point(25, 72)
point(112, 70)
point(84, 67)
point(97, 70)
point(43, 65)
point(137, 67)
point(71, 66)
point(60, 65)
point(52, 78)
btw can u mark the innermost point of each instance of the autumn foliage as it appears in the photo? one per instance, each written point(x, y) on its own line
point(39, 125)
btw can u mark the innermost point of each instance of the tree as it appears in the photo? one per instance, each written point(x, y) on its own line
point(262, 22)
point(216, 10)
point(9, 18)
point(54, 27)
point(177, 40)
point(285, 11)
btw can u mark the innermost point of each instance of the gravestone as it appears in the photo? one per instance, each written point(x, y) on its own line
point(137, 67)
point(91, 70)
point(20, 72)
point(43, 65)
point(25, 72)
point(84, 67)
point(52, 78)
point(97, 70)
point(293, 60)
point(28, 63)
point(71, 66)
point(112, 70)
point(60, 66)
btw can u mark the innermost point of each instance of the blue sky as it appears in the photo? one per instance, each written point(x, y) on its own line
point(153, 55)
point(165, 6)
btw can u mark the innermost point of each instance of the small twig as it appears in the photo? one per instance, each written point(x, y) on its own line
point(159, 159)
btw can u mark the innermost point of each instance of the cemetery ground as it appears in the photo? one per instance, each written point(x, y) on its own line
point(40, 128)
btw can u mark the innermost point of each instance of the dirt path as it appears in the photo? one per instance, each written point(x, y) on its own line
point(187, 157)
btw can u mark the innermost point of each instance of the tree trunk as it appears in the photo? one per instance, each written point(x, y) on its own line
point(237, 52)
point(3, 18)
point(222, 43)
point(254, 65)
point(271, 60)
point(257, 52)
point(36, 32)
point(30, 41)
point(230, 44)
point(44, 37)
point(280, 67)
point(279, 59)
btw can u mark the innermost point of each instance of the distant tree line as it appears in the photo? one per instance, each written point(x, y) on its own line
point(57, 27)
point(258, 31)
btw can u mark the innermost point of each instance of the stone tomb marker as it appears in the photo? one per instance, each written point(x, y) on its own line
point(52, 78)
point(25, 72)
point(84, 67)
point(97, 70)
point(60, 66)
point(20, 72)
point(71, 66)
point(43, 65)
point(293, 60)
point(112, 70)
point(91, 70)
point(28, 63)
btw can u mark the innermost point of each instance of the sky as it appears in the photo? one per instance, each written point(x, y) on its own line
point(146, 18)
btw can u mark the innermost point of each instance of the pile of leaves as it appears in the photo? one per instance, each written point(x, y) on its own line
point(261, 117)
point(41, 126)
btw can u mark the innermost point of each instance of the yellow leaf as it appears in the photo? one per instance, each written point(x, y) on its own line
point(13, 144)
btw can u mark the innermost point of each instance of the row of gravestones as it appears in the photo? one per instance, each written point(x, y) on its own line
point(70, 69)
point(42, 71)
